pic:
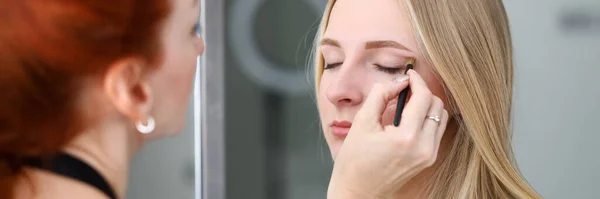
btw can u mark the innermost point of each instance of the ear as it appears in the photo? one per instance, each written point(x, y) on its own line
point(128, 90)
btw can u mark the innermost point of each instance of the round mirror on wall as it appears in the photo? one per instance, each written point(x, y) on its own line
point(257, 41)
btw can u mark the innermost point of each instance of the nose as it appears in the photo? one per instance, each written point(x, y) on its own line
point(199, 45)
point(345, 89)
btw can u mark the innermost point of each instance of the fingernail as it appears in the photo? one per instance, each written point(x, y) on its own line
point(413, 72)
point(401, 78)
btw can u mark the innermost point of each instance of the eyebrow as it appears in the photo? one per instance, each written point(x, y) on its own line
point(385, 44)
point(368, 45)
point(330, 42)
point(194, 3)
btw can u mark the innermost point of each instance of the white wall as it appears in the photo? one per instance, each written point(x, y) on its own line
point(557, 96)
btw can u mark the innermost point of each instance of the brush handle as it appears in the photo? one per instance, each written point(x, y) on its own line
point(402, 100)
point(400, 107)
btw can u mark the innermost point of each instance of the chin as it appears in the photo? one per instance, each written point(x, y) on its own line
point(334, 148)
point(333, 155)
point(164, 133)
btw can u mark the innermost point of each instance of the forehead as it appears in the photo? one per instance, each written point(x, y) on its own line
point(358, 21)
point(185, 6)
point(187, 3)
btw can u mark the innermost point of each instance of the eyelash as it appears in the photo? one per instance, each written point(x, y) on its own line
point(196, 29)
point(332, 66)
point(389, 70)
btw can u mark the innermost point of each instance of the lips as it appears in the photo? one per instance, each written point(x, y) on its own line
point(340, 128)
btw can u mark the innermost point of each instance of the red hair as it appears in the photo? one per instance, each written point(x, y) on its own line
point(46, 48)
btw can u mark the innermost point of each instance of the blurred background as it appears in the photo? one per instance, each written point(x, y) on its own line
point(253, 128)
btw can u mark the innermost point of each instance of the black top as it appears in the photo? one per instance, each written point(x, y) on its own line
point(71, 167)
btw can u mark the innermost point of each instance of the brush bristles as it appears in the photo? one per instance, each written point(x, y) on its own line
point(411, 61)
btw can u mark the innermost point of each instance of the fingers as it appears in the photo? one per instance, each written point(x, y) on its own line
point(439, 133)
point(428, 136)
point(416, 109)
point(372, 110)
point(430, 126)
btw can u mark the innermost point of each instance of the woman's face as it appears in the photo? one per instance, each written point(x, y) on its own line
point(365, 42)
point(172, 82)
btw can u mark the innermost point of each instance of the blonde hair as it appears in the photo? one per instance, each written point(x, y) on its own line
point(468, 44)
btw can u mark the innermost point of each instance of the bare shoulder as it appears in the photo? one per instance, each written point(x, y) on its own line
point(37, 184)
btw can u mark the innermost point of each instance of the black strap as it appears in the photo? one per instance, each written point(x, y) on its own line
point(69, 166)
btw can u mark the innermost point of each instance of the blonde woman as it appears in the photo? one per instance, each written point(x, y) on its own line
point(463, 58)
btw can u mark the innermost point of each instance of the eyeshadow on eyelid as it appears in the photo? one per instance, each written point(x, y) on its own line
point(390, 60)
point(332, 54)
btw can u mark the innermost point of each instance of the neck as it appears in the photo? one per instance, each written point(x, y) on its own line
point(416, 186)
point(108, 150)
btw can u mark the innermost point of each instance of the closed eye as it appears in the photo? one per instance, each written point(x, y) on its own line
point(389, 70)
point(196, 30)
point(332, 66)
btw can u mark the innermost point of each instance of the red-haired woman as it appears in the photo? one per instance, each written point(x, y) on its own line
point(84, 84)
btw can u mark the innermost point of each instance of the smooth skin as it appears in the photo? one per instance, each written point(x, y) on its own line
point(376, 160)
point(365, 47)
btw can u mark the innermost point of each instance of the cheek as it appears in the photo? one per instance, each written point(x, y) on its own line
point(389, 113)
point(178, 74)
point(326, 111)
point(173, 83)
point(436, 87)
point(324, 105)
